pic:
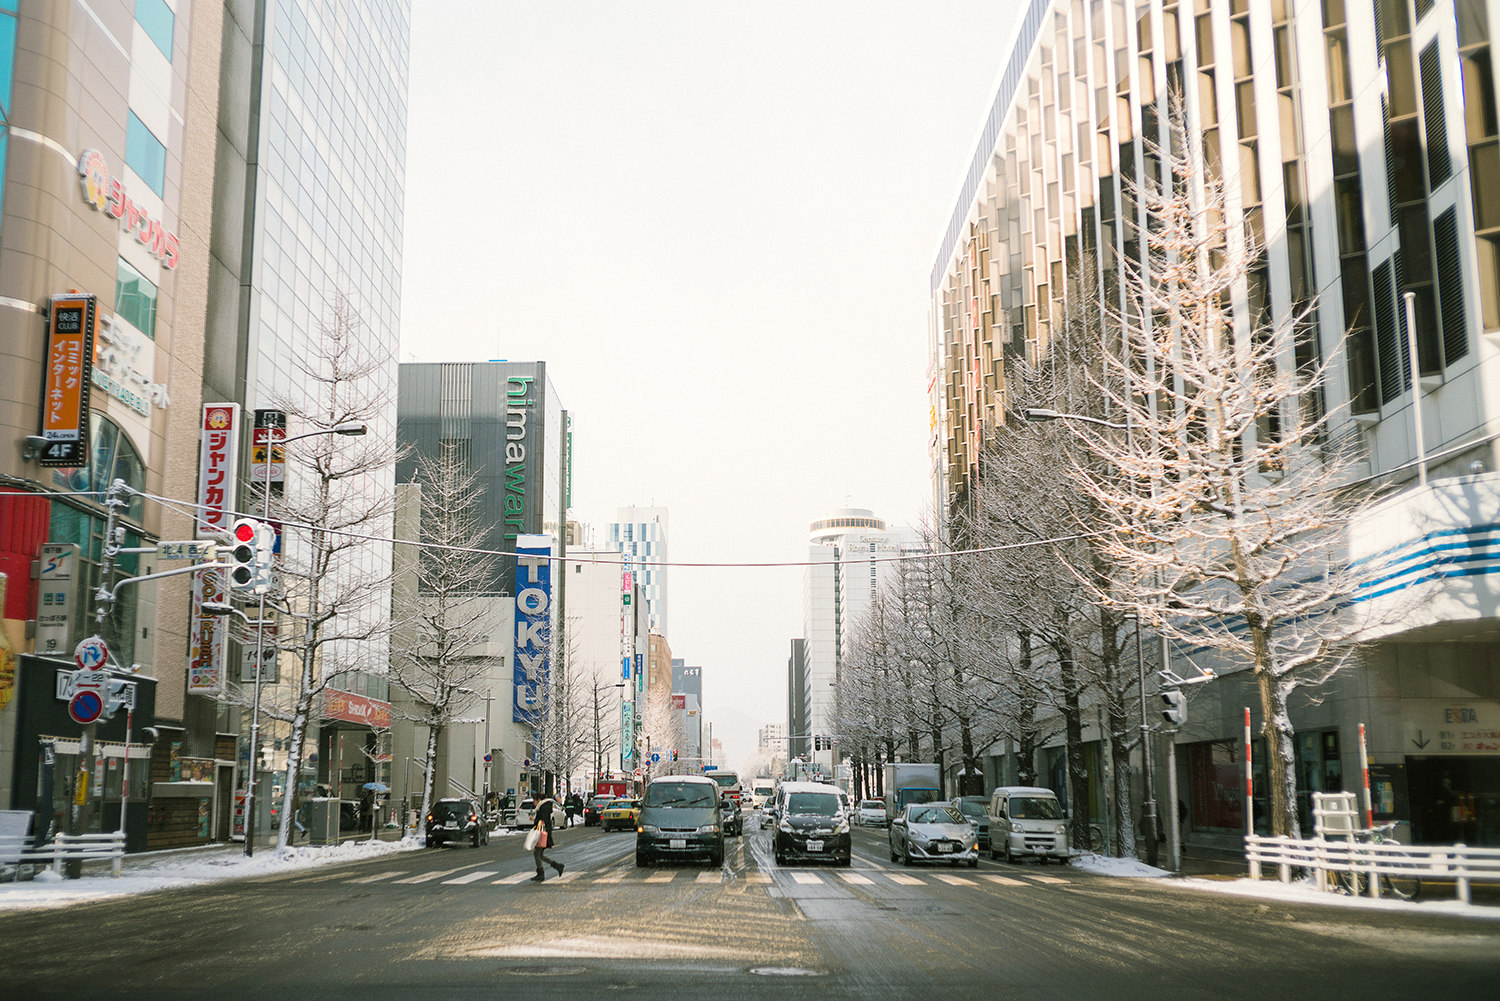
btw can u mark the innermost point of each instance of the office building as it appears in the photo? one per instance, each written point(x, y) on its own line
point(641, 534)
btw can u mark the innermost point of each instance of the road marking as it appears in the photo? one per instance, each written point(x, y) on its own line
point(469, 877)
point(661, 877)
point(857, 879)
point(379, 876)
point(713, 876)
point(808, 878)
point(1003, 880)
point(758, 877)
point(428, 877)
point(614, 877)
point(1047, 879)
point(956, 880)
point(569, 876)
point(519, 877)
point(331, 875)
point(903, 879)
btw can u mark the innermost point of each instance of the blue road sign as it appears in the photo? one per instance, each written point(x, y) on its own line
point(655, 757)
point(86, 707)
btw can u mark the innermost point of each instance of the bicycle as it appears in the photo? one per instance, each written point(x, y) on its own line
point(1404, 883)
point(1098, 841)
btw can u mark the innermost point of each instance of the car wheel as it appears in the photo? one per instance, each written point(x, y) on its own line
point(716, 859)
point(642, 859)
point(994, 855)
point(428, 842)
point(474, 841)
point(895, 856)
point(973, 863)
point(779, 859)
point(846, 861)
point(906, 856)
point(1010, 859)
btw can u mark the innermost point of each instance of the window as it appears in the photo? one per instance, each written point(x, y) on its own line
point(159, 21)
point(135, 299)
point(145, 155)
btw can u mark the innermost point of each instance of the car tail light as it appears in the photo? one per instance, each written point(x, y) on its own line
point(473, 817)
point(429, 818)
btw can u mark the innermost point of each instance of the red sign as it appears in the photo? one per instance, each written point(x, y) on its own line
point(679, 701)
point(218, 464)
point(356, 709)
point(107, 194)
point(65, 392)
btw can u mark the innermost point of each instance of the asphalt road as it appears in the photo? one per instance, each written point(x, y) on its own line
point(459, 923)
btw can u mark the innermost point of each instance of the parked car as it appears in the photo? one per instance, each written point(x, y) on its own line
point(811, 823)
point(872, 813)
point(455, 820)
point(933, 832)
point(620, 814)
point(976, 811)
point(680, 818)
point(594, 809)
point(1027, 821)
point(525, 814)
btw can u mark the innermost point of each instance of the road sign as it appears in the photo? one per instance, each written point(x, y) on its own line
point(90, 654)
point(184, 550)
point(488, 758)
point(655, 757)
point(86, 706)
point(637, 773)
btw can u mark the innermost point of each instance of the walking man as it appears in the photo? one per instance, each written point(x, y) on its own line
point(544, 823)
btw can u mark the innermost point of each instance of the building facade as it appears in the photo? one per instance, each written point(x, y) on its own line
point(1359, 143)
point(641, 534)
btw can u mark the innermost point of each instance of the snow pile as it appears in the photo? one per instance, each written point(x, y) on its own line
point(1303, 892)
point(1103, 865)
point(168, 870)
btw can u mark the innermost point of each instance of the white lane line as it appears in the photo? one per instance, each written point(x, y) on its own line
point(808, 878)
point(1047, 879)
point(758, 877)
point(428, 877)
point(955, 880)
point(519, 877)
point(856, 879)
point(379, 876)
point(568, 877)
point(661, 877)
point(470, 877)
point(903, 879)
point(712, 876)
point(1003, 880)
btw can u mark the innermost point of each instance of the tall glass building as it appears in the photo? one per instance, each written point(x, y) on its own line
point(1360, 142)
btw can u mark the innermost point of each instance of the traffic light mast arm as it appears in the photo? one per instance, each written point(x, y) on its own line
point(108, 594)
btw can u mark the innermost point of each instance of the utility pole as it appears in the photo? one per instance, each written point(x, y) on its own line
point(485, 803)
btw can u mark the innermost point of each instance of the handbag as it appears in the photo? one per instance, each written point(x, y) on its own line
point(532, 837)
point(541, 841)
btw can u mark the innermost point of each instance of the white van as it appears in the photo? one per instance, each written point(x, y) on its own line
point(761, 790)
point(1027, 821)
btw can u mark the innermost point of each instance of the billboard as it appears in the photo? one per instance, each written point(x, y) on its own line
point(66, 380)
point(218, 466)
point(532, 654)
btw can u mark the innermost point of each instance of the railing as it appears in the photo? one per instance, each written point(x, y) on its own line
point(1371, 863)
point(66, 848)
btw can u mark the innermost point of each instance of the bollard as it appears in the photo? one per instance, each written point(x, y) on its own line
point(1463, 874)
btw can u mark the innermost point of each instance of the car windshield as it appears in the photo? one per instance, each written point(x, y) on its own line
point(812, 804)
point(1035, 808)
point(935, 815)
point(871, 804)
point(695, 796)
point(971, 807)
point(453, 810)
point(620, 804)
point(725, 780)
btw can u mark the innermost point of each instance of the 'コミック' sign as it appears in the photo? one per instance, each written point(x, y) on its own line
point(65, 392)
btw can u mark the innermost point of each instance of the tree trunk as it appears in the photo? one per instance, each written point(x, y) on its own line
point(1281, 770)
point(1078, 775)
point(1026, 742)
point(434, 730)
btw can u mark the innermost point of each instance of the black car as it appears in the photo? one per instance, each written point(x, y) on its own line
point(811, 824)
point(455, 820)
point(594, 808)
point(734, 817)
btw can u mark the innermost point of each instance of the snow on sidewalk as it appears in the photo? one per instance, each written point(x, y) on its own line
point(1303, 892)
point(145, 873)
point(1103, 865)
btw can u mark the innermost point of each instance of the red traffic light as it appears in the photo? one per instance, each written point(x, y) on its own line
point(244, 531)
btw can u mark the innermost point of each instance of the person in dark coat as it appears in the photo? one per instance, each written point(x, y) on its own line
point(544, 821)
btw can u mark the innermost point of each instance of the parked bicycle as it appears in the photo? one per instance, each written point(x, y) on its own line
point(1098, 840)
point(1402, 877)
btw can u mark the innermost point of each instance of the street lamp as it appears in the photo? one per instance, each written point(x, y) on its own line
point(349, 428)
point(1149, 806)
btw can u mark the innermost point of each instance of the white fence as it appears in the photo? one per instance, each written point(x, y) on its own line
point(1323, 858)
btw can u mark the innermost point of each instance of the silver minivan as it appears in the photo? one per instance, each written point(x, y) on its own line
point(1027, 821)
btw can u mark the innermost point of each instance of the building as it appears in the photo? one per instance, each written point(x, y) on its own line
point(641, 534)
point(772, 737)
point(797, 744)
point(1359, 142)
point(687, 681)
point(598, 618)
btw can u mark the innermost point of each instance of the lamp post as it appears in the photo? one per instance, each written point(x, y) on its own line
point(346, 428)
point(1148, 808)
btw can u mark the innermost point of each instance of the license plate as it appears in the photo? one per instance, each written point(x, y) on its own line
point(677, 843)
point(944, 848)
point(815, 846)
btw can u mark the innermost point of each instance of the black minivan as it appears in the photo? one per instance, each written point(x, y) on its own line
point(811, 824)
point(681, 817)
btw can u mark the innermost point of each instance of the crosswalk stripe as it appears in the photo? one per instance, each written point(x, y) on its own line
point(568, 877)
point(377, 877)
point(469, 877)
point(955, 880)
point(1004, 880)
point(712, 876)
point(513, 880)
point(1047, 879)
point(903, 879)
point(616, 877)
point(857, 879)
point(428, 877)
point(758, 877)
point(661, 877)
point(808, 878)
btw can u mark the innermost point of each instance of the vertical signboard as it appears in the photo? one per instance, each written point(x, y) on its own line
point(533, 626)
point(54, 612)
point(218, 478)
point(627, 731)
point(270, 428)
point(209, 638)
point(66, 380)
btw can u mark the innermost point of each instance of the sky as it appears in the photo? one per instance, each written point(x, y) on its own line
point(715, 223)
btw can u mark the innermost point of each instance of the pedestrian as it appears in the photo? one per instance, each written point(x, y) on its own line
point(575, 807)
point(568, 801)
point(543, 816)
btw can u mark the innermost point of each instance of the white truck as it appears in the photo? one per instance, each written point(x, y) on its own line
point(910, 783)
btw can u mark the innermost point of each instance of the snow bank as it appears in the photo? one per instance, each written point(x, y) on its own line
point(168, 870)
point(1103, 865)
point(1305, 893)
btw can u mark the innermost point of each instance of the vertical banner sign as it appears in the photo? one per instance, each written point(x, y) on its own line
point(54, 613)
point(218, 477)
point(66, 380)
point(209, 638)
point(533, 625)
point(627, 730)
point(270, 428)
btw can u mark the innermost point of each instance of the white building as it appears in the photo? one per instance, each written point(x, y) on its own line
point(596, 649)
point(773, 738)
point(641, 534)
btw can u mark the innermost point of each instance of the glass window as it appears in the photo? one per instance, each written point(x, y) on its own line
point(1479, 95)
point(135, 298)
point(159, 21)
point(145, 155)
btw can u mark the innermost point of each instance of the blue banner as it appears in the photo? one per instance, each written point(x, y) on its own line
point(533, 626)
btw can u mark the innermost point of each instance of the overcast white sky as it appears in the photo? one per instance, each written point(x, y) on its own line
point(715, 223)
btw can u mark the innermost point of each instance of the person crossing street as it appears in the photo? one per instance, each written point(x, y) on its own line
point(544, 823)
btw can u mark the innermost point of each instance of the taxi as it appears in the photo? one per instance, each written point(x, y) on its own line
point(621, 814)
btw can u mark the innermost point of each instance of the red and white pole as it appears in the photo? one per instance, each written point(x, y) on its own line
point(1249, 781)
point(1364, 770)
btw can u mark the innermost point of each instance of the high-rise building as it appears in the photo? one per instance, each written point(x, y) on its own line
point(641, 534)
point(798, 743)
point(687, 681)
point(1359, 143)
point(772, 737)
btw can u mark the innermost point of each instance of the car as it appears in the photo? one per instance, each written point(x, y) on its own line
point(620, 814)
point(871, 813)
point(976, 811)
point(525, 814)
point(734, 815)
point(455, 820)
point(681, 818)
point(811, 824)
point(1027, 821)
point(594, 808)
point(933, 832)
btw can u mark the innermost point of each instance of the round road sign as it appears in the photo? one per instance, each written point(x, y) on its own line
point(488, 758)
point(86, 707)
point(90, 654)
point(655, 757)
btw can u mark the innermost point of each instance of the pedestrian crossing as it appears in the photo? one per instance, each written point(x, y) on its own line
point(471, 875)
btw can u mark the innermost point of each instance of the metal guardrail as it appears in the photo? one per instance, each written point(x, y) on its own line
point(66, 848)
point(1323, 858)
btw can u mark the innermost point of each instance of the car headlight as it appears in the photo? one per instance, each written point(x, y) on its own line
point(1060, 829)
point(648, 829)
point(918, 836)
point(842, 828)
point(709, 829)
point(785, 825)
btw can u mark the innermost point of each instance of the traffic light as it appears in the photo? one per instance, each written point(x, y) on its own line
point(1175, 711)
point(242, 554)
point(674, 755)
point(265, 553)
